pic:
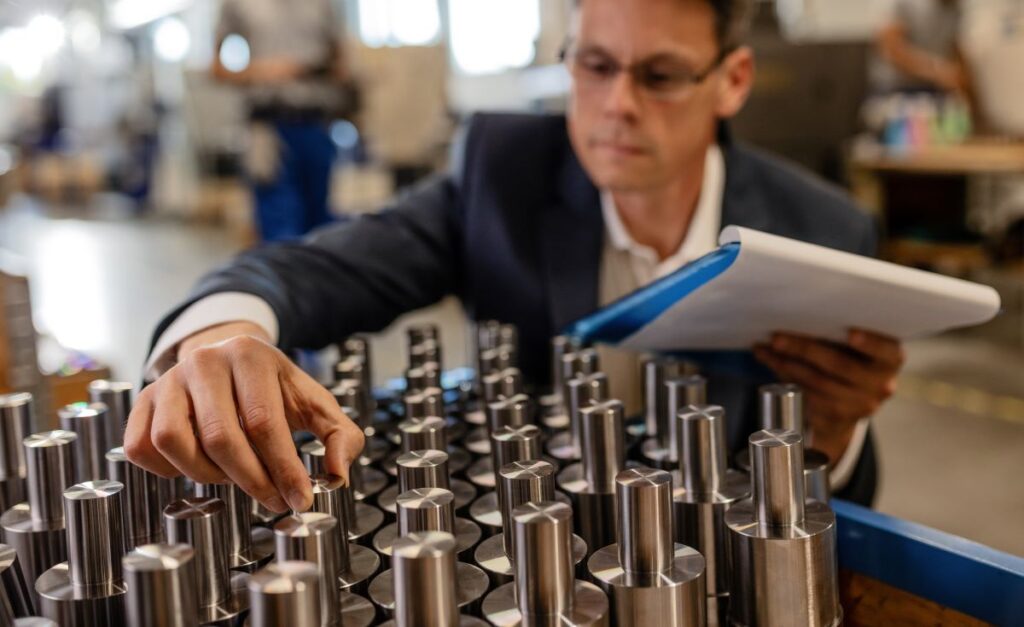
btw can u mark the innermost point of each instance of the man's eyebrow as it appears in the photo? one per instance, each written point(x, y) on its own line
point(665, 55)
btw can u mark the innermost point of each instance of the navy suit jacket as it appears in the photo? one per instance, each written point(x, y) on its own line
point(515, 230)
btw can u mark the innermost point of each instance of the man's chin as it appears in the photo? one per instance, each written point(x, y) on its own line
point(619, 179)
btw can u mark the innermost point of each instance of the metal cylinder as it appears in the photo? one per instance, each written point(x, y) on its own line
point(497, 359)
point(94, 512)
point(423, 403)
point(161, 586)
point(782, 407)
point(354, 398)
point(645, 520)
point(584, 391)
point(561, 345)
point(529, 481)
point(89, 423)
point(15, 598)
point(543, 559)
point(423, 469)
point(426, 509)
point(656, 371)
point(201, 523)
point(358, 346)
point(424, 433)
point(425, 352)
point(146, 495)
point(502, 384)
point(777, 477)
point(512, 411)
point(424, 580)
point(16, 420)
point(418, 333)
point(285, 594)
point(117, 396)
point(680, 393)
point(313, 537)
point(514, 444)
point(422, 377)
point(50, 466)
point(700, 440)
point(604, 450)
point(248, 548)
point(328, 498)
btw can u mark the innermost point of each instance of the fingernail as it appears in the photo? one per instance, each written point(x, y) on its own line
point(277, 504)
point(297, 500)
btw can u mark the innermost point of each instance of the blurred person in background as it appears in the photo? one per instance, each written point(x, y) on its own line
point(294, 87)
point(919, 44)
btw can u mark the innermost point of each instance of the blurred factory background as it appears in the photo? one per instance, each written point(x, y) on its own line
point(123, 178)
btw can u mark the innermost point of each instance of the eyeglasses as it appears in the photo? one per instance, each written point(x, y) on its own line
point(662, 78)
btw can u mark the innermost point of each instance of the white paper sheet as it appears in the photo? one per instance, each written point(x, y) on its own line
point(779, 284)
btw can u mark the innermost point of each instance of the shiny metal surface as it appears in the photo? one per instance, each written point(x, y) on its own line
point(427, 433)
point(584, 391)
point(313, 537)
point(490, 555)
point(423, 469)
point(496, 359)
point(201, 523)
point(783, 548)
point(528, 481)
point(353, 395)
point(16, 422)
point(328, 498)
point(249, 548)
point(421, 377)
point(423, 403)
point(513, 444)
point(426, 509)
point(366, 481)
point(15, 598)
point(425, 352)
point(161, 586)
point(89, 423)
point(424, 579)
point(501, 384)
point(817, 485)
point(146, 495)
point(117, 396)
point(418, 333)
point(655, 371)
point(782, 407)
point(509, 411)
point(285, 594)
point(680, 393)
point(332, 496)
point(50, 470)
point(12, 492)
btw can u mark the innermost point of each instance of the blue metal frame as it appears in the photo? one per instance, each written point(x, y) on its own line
point(946, 569)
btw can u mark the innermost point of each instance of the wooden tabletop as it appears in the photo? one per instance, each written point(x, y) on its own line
point(977, 156)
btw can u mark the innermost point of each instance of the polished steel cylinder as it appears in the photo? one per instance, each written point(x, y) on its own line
point(604, 449)
point(89, 423)
point(561, 345)
point(354, 399)
point(117, 396)
point(423, 403)
point(351, 372)
point(423, 469)
point(777, 469)
point(16, 422)
point(701, 441)
point(426, 509)
point(782, 407)
point(425, 576)
point(51, 470)
point(529, 481)
point(496, 359)
point(425, 352)
point(358, 346)
point(657, 370)
point(16, 600)
point(502, 384)
point(313, 537)
point(514, 444)
point(511, 411)
point(161, 586)
point(422, 377)
point(248, 548)
point(680, 393)
point(94, 514)
point(329, 493)
point(285, 594)
point(418, 333)
point(146, 495)
point(543, 559)
point(645, 520)
point(201, 523)
point(428, 433)
point(583, 391)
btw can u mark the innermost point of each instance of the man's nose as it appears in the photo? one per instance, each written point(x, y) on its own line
point(622, 97)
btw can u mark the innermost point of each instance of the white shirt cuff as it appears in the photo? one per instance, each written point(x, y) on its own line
point(203, 314)
point(844, 468)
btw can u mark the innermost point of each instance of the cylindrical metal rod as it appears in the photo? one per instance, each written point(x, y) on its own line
point(351, 395)
point(423, 403)
point(426, 509)
point(544, 566)
point(312, 536)
point(502, 384)
point(561, 345)
point(701, 442)
point(529, 481)
point(285, 594)
point(117, 396)
point(146, 496)
point(238, 506)
point(583, 391)
point(161, 584)
point(777, 469)
point(420, 434)
point(656, 371)
point(200, 522)
point(421, 377)
point(94, 512)
point(15, 598)
point(514, 444)
point(50, 462)
point(89, 422)
point(513, 411)
point(680, 393)
point(782, 407)
point(645, 520)
point(16, 421)
point(424, 578)
point(419, 333)
point(358, 346)
point(426, 352)
point(423, 469)
point(603, 444)
point(329, 492)
point(496, 359)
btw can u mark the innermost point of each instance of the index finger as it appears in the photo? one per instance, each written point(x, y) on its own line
point(877, 347)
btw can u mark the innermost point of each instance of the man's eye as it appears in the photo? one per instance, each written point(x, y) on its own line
point(663, 79)
point(598, 67)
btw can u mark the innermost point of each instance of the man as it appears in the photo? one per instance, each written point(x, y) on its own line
point(539, 222)
point(293, 86)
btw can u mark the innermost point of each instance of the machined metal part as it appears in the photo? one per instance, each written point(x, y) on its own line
point(34, 621)
point(423, 403)
point(117, 396)
point(313, 536)
point(545, 591)
point(707, 492)
point(89, 422)
point(201, 522)
point(569, 365)
point(332, 496)
point(88, 589)
point(146, 495)
point(508, 444)
point(501, 384)
point(680, 392)
point(353, 372)
point(161, 584)
point(582, 391)
point(428, 509)
point(16, 421)
point(784, 568)
point(591, 483)
point(501, 357)
point(427, 586)
point(426, 469)
point(425, 352)
point(285, 594)
point(419, 333)
point(249, 547)
point(366, 481)
point(358, 346)
point(649, 579)
point(16, 601)
point(35, 529)
point(423, 433)
point(422, 377)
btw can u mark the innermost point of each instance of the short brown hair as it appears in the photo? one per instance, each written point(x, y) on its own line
point(732, 21)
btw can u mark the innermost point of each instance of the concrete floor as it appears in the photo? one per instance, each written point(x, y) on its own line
point(951, 441)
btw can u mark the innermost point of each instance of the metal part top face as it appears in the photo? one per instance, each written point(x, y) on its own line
point(285, 577)
point(158, 557)
point(782, 406)
point(777, 477)
point(423, 458)
point(423, 403)
point(305, 525)
point(322, 482)
point(426, 424)
point(194, 507)
point(13, 401)
point(104, 385)
point(426, 498)
point(529, 469)
point(420, 545)
point(47, 439)
point(82, 410)
point(512, 411)
point(91, 490)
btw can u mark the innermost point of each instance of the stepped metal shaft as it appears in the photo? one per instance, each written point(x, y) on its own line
point(426, 509)
point(680, 393)
point(512, 411)
point(583, 391)
point(313, 537)
point(146, 496)
point(161, 584)
point(654, 374)
point(514, 444)
point(423, 469)
point(423, 403)
point(424, 433)
point(89, 423)
point(117, 396)
point(425, 578)
point(527, 481)
point(285, 594)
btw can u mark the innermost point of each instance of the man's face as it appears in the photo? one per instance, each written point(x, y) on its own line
point(634, 134)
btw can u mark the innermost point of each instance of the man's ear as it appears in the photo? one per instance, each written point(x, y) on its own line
point(735, 82)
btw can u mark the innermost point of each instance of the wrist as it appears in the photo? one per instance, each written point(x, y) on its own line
point(219, 333)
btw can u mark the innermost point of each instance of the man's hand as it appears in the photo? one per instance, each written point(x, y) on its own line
point(226, 411)
point(842, 382)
